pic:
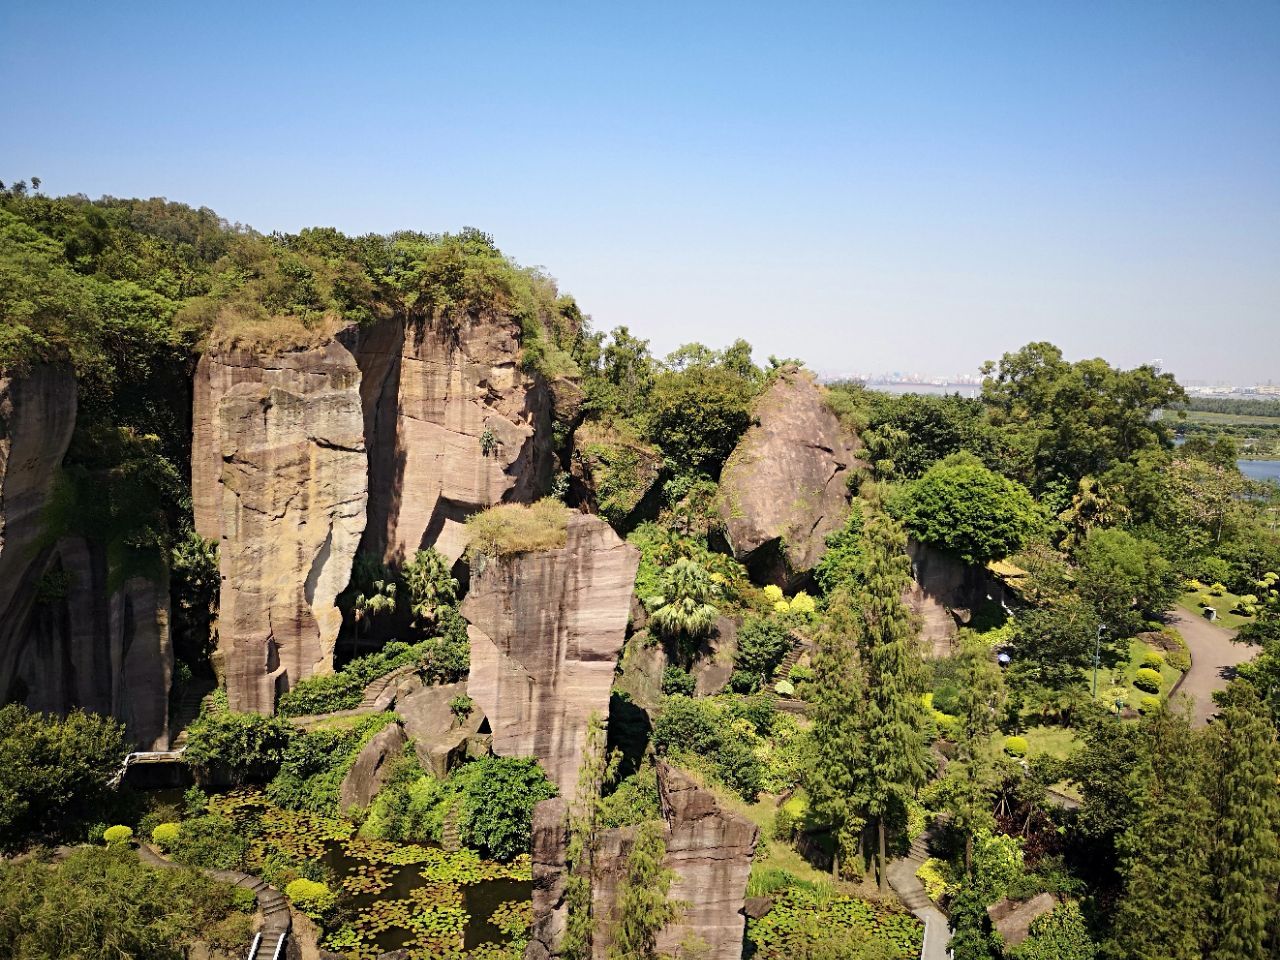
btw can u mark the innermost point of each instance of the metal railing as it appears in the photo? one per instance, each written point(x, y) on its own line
point(253, 948)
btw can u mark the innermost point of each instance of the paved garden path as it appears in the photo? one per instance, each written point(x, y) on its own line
point(1214, 657)
point(901, 875)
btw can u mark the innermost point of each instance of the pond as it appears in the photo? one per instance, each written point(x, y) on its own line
point(1260, 469)
point(413, 896)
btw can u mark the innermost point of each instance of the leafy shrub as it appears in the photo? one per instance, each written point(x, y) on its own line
point(633, 801)
point(784, 825)
point(322, 693)
point(312, 897)
point(719, 737)
point(496, 800)
point(461, 707)
point(1152, 660)
point(1217, 590)
point(210, 841)
point(763, 642)
point(676, 680)
point(315, 763)
point(1016, 746)
point(808, 924)
point(194, 801)
point(517, 528)
point(1149, 705)
point(160, 813)
point(103, 903)
point(937, 877)
point(165, 835)
point(119, 835)
point(842, 564)
point(55, 772)
point(1060, 935)
point(244, 899)
point(245, 747)
point(1147, 680)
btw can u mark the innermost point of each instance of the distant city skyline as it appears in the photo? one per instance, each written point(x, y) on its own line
point(884, 186)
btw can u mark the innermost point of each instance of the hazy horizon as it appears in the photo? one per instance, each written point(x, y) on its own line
point(869, 188)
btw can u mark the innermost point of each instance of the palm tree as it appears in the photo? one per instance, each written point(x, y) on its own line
point(430, 584)
point(684, 611)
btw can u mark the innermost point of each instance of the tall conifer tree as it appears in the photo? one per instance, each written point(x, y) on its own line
point(1246, 851)
point(973, 774)
point(1163, 912)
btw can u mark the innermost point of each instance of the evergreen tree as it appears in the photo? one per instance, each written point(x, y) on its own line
point(835, 779)
point(1164, 909)
point(596, 770)
point(893, 718)
point(1245, 860)
point(643, 907)
point(973, 773)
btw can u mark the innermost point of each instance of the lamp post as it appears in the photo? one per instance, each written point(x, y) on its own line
point(1097, 655)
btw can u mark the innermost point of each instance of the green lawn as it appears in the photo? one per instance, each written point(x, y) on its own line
point(1190, 601)
point(1121, 676)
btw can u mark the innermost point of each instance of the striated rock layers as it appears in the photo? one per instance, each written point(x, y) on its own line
point(709, 849)
point(546, 629)
point(453, 425)
point(945, 592)
point(785, 487)
point(280, 479)
point(69, 636)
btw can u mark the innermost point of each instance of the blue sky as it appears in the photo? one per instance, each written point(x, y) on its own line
point(912, 186)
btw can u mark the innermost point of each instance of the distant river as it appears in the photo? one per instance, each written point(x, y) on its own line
point(1261, 469)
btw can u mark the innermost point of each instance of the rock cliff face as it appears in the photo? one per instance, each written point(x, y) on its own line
point(37, 417)
point(82, 643)
point(280, 479)
point(945, 592)
point(372, 767)
point(453, 425)
point(785, 485)
point(100, 649)
point(709, 850)
point(546, 629)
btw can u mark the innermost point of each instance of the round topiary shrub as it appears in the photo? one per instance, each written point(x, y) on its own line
point(1148, 680)
point(117, 835)
point(1152, 660)
point(312, 897)
point(165, 835)
point(1149, 705)
point(1016, 746)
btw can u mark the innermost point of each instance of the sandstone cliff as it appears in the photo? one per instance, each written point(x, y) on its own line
point(785, 487)
point(280, 479)
point(709, 849)
point(453, 425)
point(945, 592)
point(546, 629)
point(37, 417)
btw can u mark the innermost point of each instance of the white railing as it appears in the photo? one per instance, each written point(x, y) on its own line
point(253, 948)
point(279, 945)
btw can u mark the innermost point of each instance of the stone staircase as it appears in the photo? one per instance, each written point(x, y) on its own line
point(901, 874)
point(451, 833)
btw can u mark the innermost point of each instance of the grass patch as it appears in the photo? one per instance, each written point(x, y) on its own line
point(1118, 683)
point(1190, 601)
point(511, 528)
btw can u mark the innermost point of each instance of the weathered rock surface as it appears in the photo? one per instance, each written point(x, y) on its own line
point(944, 594)
point(708, 848)
point(453, 425)
point(785, 487)
point(279, 478)
point(546, 629)
point(1012, 919)
point(440, 739)
point(714, 664)
point(372, 767)
point(612, 472)
point(37, 417)
point(99, 649)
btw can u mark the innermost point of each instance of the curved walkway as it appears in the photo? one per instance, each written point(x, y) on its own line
point(1214, 657)
point(276, 920)
point(901, 875)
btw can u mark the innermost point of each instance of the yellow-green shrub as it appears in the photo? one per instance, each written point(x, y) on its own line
point(1148, 680)
point(517, 528)
point(165, 835)
point(1016, 746)
point(312, 897)
point(119, 834)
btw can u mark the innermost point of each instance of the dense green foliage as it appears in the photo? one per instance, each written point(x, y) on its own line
point(54, 773)
point(961, 506)
point(103, 904)
point(243, 747)
point(643, 905)
point(314, 763)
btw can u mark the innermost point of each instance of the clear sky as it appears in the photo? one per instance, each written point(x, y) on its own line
point(893, 186)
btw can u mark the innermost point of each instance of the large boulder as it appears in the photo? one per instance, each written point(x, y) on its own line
point(453, 424)
point(441, 739)
point(280, 479)
point(785, 487)
point(708, 848)
point(372, 767)
point(546, 629)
